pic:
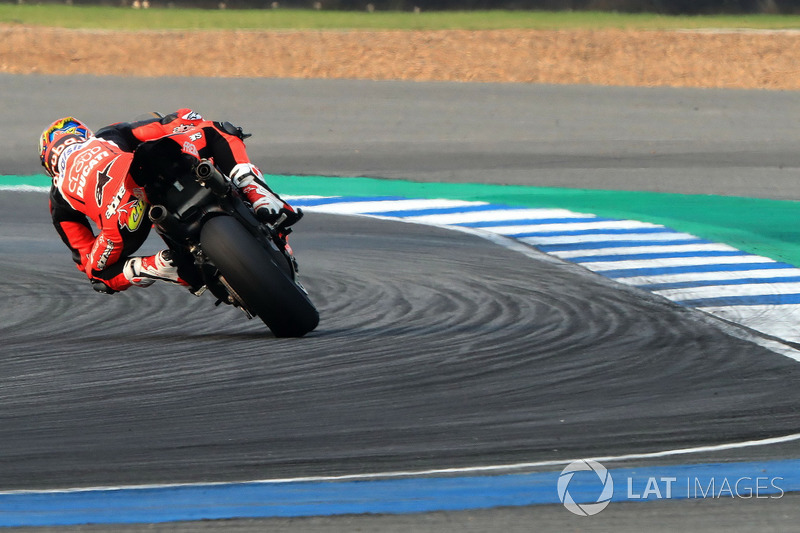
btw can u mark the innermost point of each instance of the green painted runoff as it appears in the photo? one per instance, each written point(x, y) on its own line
point(764, 227)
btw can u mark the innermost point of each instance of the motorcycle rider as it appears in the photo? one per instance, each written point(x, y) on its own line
point(93, 180)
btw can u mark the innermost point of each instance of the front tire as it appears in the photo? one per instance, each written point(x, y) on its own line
point(251, 271)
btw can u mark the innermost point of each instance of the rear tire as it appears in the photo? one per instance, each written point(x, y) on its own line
point(263, 285)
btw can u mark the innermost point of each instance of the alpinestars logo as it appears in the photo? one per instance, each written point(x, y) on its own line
point(192, 115)
point(102, 180)
point(605, 481)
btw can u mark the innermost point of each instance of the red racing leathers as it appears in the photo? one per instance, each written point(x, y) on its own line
point(93, 183)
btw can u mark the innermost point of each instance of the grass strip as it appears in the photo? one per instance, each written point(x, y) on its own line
point(118, 18)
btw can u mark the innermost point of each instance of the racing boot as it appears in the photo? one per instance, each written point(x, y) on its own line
point(249, 180)
point(144, 271)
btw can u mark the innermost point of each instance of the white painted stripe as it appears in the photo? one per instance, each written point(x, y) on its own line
point(294, 198)
point(712, 276)
point(574, 226)
point(731, 327)
point(783, 324)
point(24, 188)
point(624, 250)
point(714, 291)
point(781, 321)
point(438, 471)
point(494, 216)
point(606, 237)
point(354, 208)
point(673, 261)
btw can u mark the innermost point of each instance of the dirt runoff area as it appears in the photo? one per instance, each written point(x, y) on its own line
point(729, 59)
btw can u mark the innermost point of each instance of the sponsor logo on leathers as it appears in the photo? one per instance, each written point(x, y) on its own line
point(114, 204)
point(192, 115)
point(55, 155)
point(83, 165)
point(102, 180)
point(63, 154)
point(131, 215)
point(109, 247)
point(138, 192)
point(191, 149)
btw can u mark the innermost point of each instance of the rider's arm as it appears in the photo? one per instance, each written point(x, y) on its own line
point(73, 227)
point(224, 142)
point(129, 135)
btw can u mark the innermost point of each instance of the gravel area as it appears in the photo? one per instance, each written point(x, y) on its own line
point(725, 59)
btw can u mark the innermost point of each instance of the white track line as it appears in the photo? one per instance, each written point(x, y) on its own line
point(664, 249)
point(518, 229)
point(381, 206)
point(634, 264)
point(606, 237)
point(24, 188)
point(435, 471)
point(716, 291)
point(497, 215)
point(712, 276)
point(513, 245)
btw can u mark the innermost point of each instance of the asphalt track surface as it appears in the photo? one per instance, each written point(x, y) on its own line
point(436, 349)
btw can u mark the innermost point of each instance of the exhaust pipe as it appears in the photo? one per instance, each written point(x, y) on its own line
point(204, 169)
point(157, 214)
point(163, 221)
point(208, 176)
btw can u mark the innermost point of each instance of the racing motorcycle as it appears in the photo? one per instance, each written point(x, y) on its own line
point(218, 243)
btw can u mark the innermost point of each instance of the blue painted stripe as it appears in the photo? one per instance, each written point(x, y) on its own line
point(714, 282)
point(396, 496)
point(658, 271)
point(599, 245)
point(313, 202)
point(594, 231)
point(655, 255)
point(753, 299)
point(532, 222)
